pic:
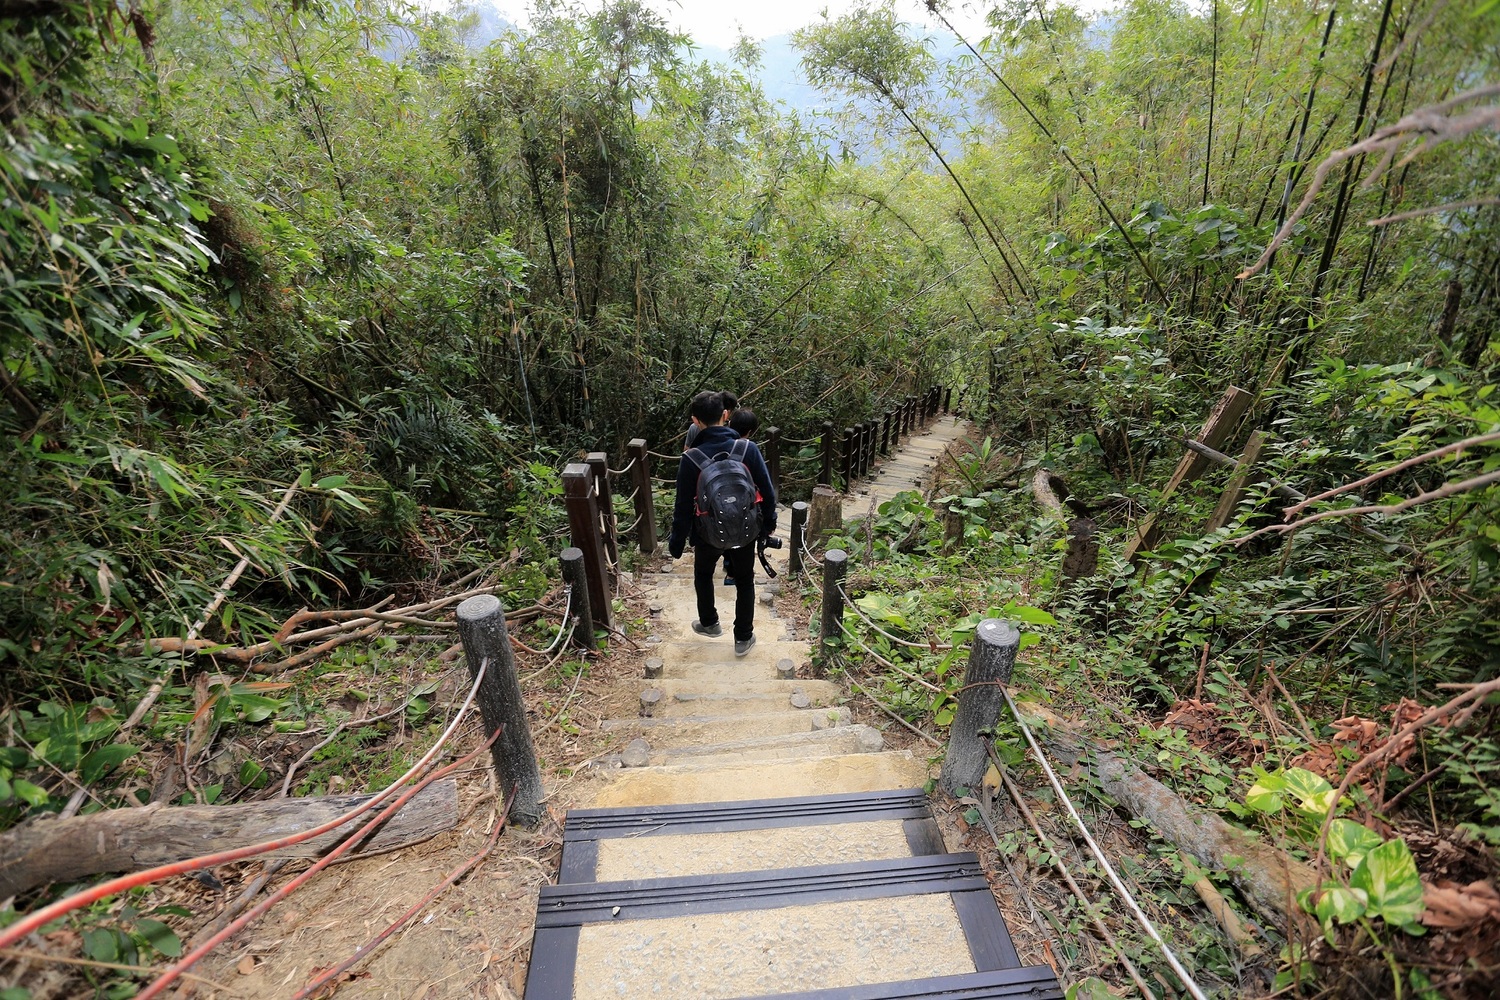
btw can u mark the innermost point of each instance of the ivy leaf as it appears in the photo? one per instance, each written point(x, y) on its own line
point(1265, 795)
point(159, 936)
point(1388, 875)
point(1313, 792)
point(1351, 841)
point(97, 763)
point(29, 793)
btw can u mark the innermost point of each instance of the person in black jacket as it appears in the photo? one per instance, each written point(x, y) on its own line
point(714, 438)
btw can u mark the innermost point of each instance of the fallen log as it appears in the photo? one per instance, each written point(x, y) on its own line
point(1268, 878)
point(46, 850)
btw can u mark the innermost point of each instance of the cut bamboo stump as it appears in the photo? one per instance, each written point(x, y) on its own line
point(825, 516)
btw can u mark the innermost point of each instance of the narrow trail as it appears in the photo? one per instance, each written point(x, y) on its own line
point(750, 840)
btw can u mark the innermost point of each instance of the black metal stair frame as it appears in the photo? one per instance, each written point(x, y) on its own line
point(564, 909)
point(586, 827)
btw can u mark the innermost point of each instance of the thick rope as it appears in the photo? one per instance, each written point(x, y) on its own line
point(1187, 981)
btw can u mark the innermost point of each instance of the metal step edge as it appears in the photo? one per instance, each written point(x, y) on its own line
point(575, 904)
point(1033, 982)
point(595, 824)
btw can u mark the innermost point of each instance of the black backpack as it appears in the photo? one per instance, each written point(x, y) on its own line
point(727, 505)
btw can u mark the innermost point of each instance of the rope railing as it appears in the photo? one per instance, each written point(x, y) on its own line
point(1114, 879)
point(567, 613)
point(933, 647)
point(620, 472)
point(631, 526)
point(664, 458)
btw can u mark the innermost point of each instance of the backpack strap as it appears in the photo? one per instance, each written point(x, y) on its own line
point(700, 460)
point(738, 450)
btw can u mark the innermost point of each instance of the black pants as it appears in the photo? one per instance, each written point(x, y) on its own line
point(741, 566)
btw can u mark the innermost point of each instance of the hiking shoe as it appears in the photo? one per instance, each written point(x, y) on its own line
point(729, 581)
point(712, 631)
point(742, 646)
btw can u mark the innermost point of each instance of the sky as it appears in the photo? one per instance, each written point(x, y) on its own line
point(719, 22)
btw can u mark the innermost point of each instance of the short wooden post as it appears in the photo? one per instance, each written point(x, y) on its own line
point(1239, 482)
point(850, 467)
point(772, 454)
point(598, 463)
point(991, 660)
point(583, 520)
point(825, 472)
point(481, 628)
point(911, 413)
point(948, 400)
point(798, 539)
point(953, 526)
point(885, 433)
point(825, 514)
point(869, 450)
point(835, 562)
point(645, 506)
point(577, 577)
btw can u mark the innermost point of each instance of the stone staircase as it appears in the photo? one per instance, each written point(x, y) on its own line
point(750, 841)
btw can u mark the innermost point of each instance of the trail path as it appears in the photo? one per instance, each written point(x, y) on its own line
point(752, 841)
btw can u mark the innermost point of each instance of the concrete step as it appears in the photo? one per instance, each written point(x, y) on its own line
point(603, 845)
point(688, 730)
point(742, 780)
point(755, 934)
point(715, 658)
point(824, 742)
point(705, 695)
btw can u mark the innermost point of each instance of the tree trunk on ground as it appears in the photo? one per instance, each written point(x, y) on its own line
point(1082, 557)
point(122, 840)
point(1268, 878)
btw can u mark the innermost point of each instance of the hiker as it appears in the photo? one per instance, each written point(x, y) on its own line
point(731, 403)
point(744, 422)
point(725, 505)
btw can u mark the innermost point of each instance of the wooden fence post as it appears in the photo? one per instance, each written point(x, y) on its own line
point(991, 660)
point(773, 456)
point(577, 577)
point(825, 473)
point(1239, 481)
point(850, 468)
point(948, 400)
point(885, 433)
point(481, 628)
point(911, 413)
point(835, 562)
point(598, 463)
point(869, 453)
point(798, 539)
point(1216, 430)
point(583, 520)
point(645, 505)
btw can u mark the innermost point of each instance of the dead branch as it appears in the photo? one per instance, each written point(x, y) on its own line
point(1426, 126)
point(1462, 708)
point(154, 692)
point(307, 656)
point(1451, 206)
point(1449, 449)
point(1441, 493)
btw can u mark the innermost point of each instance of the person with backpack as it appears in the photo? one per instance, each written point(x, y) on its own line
point(725, 504)
point(731, 405)
point(744, 422)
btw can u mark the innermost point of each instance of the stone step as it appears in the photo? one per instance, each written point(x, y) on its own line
point(668, 698)
point(741, 780)
point(688, 730)
point(603, 845)
point(752, 934)
point(825, 743)
point(715, 658)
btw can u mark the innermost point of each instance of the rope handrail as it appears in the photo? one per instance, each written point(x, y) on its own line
point(853, 635)
point(628, 466)
point(804, 441)
point(1114, 879)
point(664, 458)
point(631, 526)
point(932, 647)
point(630, 497)
point(567, 613)
point(808, 557)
